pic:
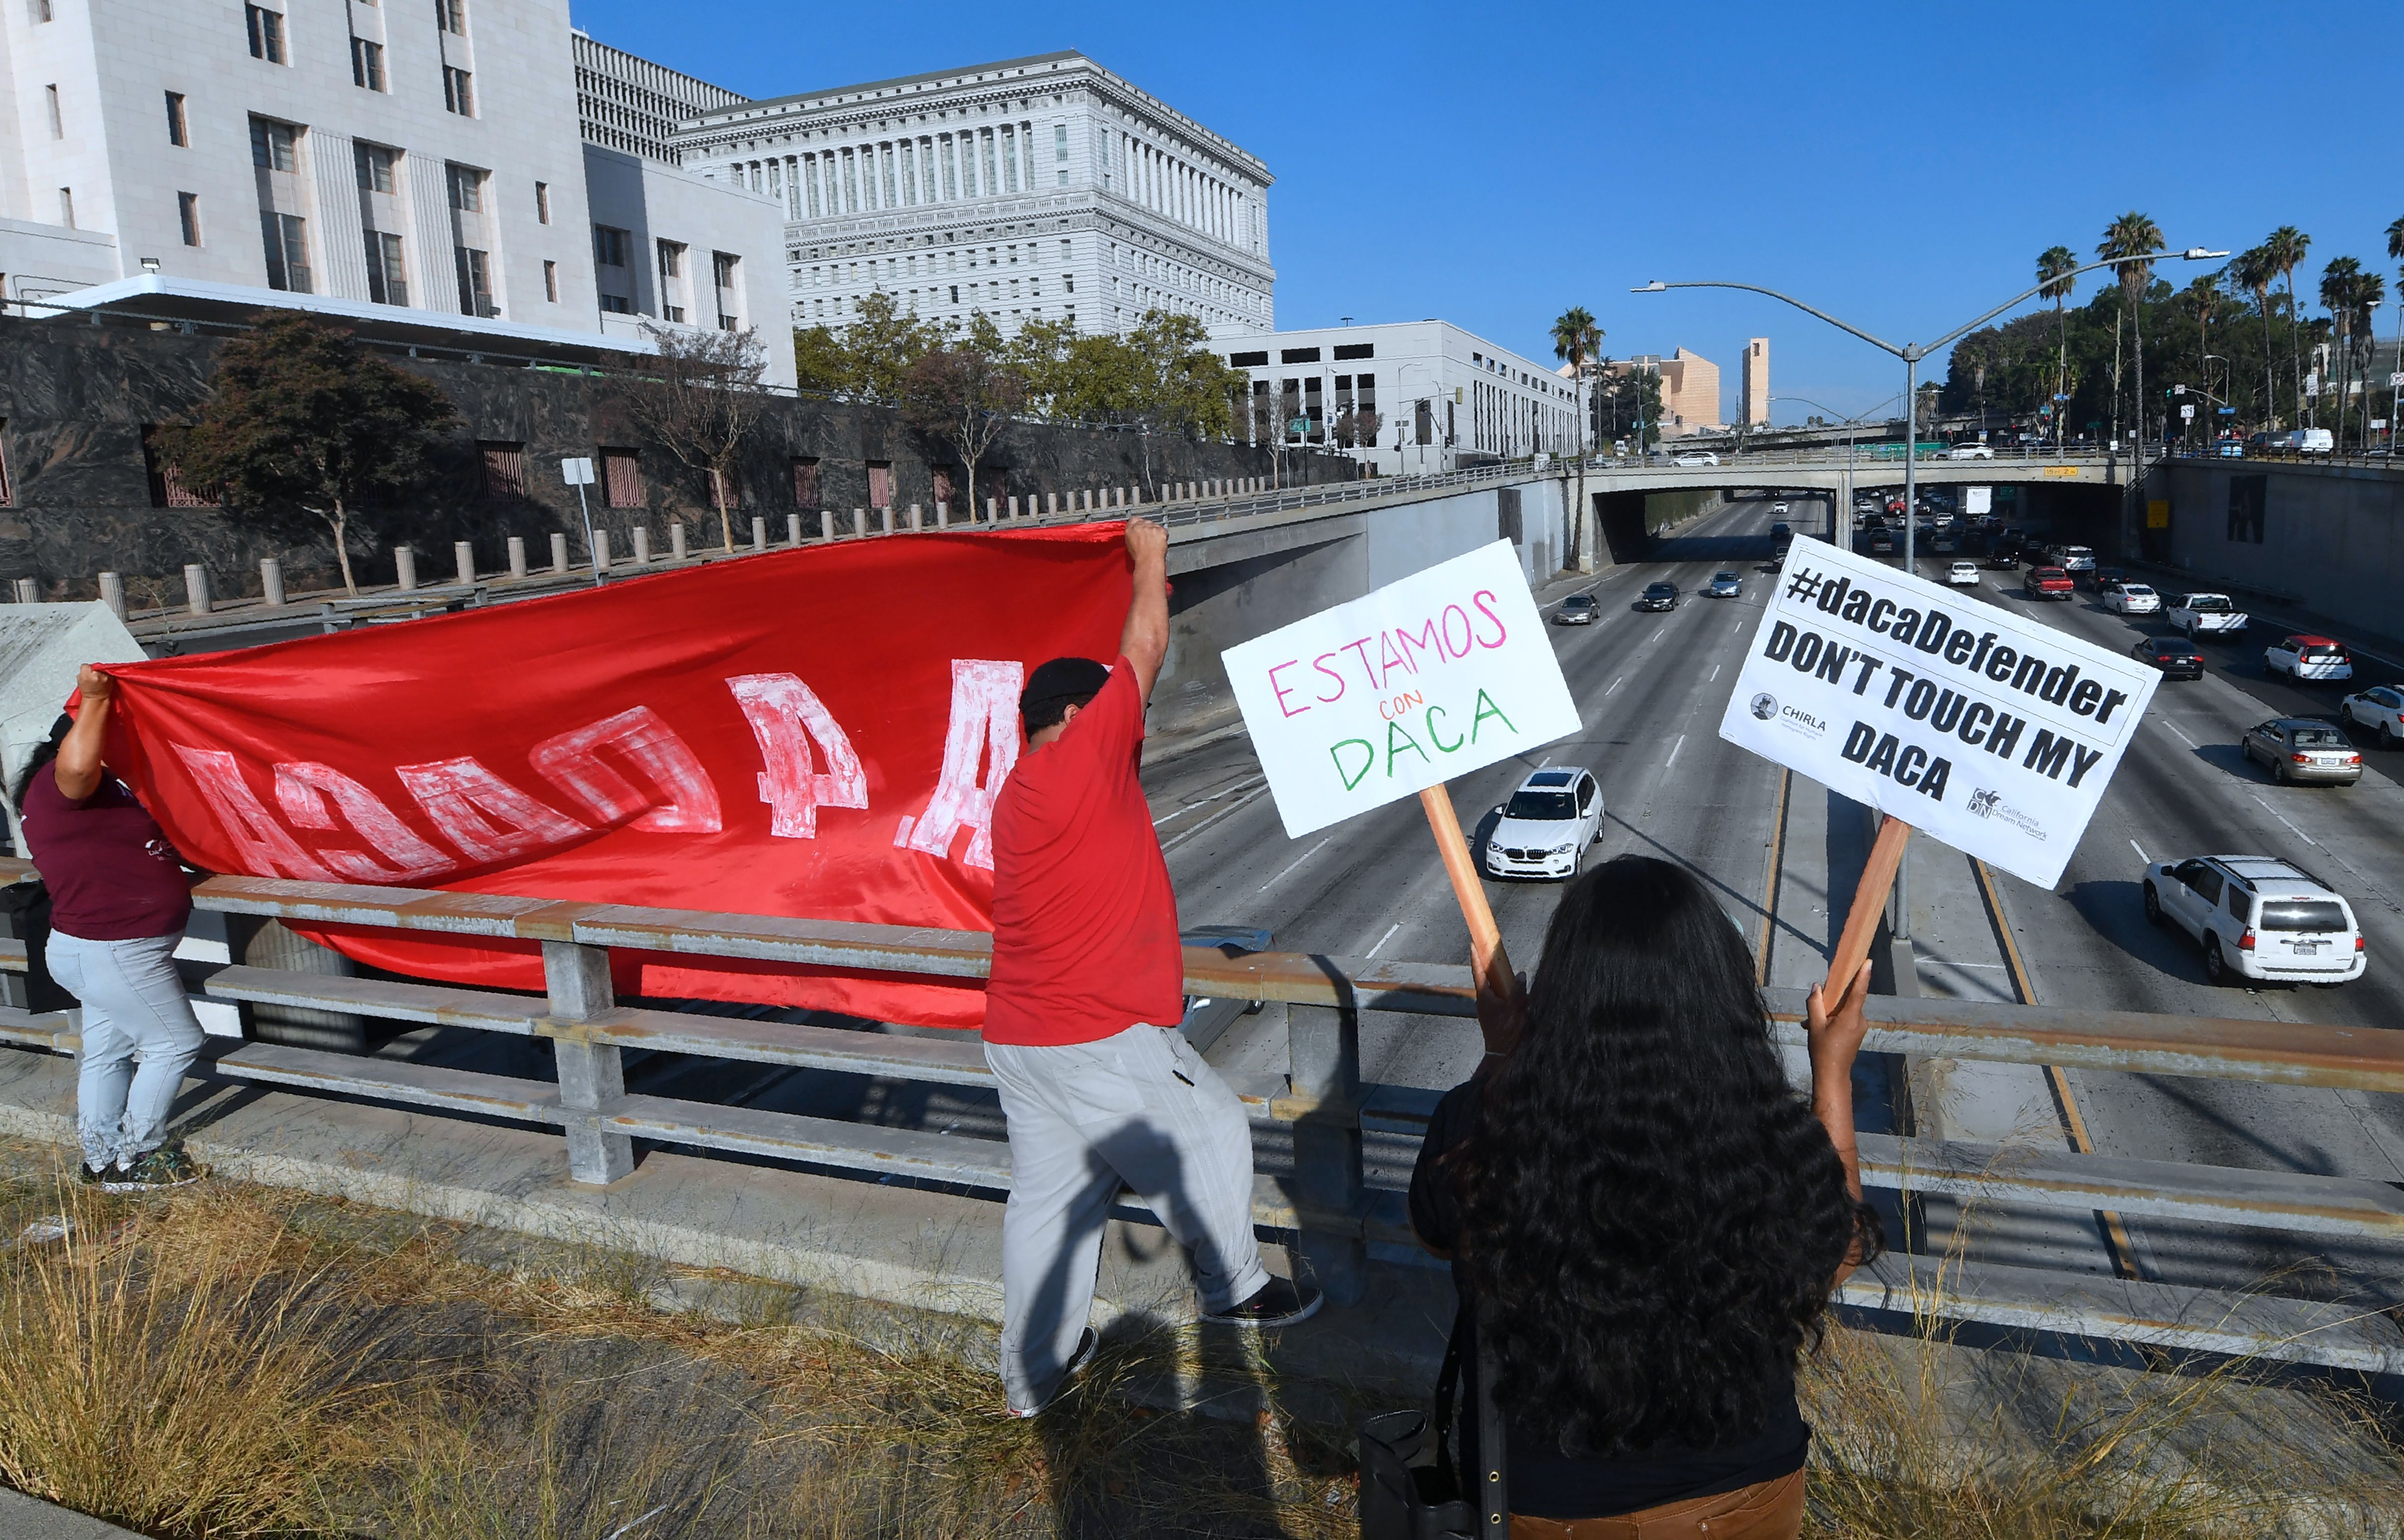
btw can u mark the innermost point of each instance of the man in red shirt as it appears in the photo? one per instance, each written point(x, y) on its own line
point(1098, 1085)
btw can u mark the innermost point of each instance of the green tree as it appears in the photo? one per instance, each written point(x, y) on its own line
point(304, 428)
point(964, 396)
point(820, 362)
point(2136, 235)
point(2284, 248)
point(2202, 300)
point(2054, 267)
point(1575, 336)
point(866, 360)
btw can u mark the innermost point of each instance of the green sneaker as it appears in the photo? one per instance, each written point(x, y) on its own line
point(166, 1167)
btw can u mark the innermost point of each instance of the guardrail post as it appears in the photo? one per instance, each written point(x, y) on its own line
point(943, 515)
point(916, 522)
point(464, 555)
point(404, 567)
point(592, 1076)
point(675, 539)
point(559, 554)
point(196, 588)
point(793, 529)
point(885, 519)
point(112, 593)
point(758, 533)
point(271, 579)
point(992, 511)
point(826, 524)
point(517, 556)
point(1323, 1051)
point(600, 551)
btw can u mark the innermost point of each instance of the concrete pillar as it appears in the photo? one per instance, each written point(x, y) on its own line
point(858, 523)
point(917, 524)
point(793, 529)
point(464, 555)
point(600, 551)
point(1324, 1060)
point(517, 556)
point(676, 540)
point(112, 593)
point(826, 524)
point(1118, 496)
point(1051, 505)
point(642, 548)
point(885, 520)
point(559, 554)
point(758, 533)
point(404, 567)
point(28, 591)
point(271, 579)
point(592, 1076)
point(943, 515)
point(1013, 509)
point(992, 512)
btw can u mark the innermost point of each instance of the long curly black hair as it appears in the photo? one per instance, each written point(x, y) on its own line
point(1652, 1217)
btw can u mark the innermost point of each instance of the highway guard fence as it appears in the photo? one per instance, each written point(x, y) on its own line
point(1325, 1208)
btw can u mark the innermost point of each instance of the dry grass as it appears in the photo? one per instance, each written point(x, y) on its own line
point(233, 1361)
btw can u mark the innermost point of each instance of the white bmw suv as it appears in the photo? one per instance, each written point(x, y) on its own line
point(1544, 829)
point(2258, 918)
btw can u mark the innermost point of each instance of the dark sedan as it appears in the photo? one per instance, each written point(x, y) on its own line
point(2175, 656)
point(1659, 595)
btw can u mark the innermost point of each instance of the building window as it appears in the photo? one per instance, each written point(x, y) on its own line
point(285, 237)
point(58, 121)
point(458, 91)
point(387, 276)
point(551, 282)
point(367, 64)
point(615, 305)
point(266, 33)
point(671, 262)
point(609, 245)
point(724, 270)
point(475, 283)
point(376, 166)
point(41, 9)
point(504, 472)
point(1298, 355)
point(180, 130)
point(188, 216)
point(621, 478)
point(66, 207)
point(1355, 350)
point(542, 202)
point(167, 489)
point(451, 15)
point(467, 189)
point(806, 482)
point(272, 145)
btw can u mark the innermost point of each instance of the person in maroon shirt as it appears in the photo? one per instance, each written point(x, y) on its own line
point(118, 904)
point(1082, 1007)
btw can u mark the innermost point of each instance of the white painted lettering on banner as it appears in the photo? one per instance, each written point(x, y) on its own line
point(1990, 730)
point(1446, 671)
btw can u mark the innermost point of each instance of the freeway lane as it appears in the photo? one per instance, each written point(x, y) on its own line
point(2184, 790)
point(1649, 687)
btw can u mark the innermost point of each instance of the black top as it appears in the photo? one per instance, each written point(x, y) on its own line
point(1545, 1482)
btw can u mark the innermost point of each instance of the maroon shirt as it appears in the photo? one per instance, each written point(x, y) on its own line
point(111, 873)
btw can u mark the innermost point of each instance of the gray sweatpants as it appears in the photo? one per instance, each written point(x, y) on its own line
point(1139, 1108)
point(139, 1037)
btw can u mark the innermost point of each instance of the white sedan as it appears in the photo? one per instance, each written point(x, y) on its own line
point(2132, 598)
point(2379, 709)
point(1696, 456)
point(1969, 452)
point(1963, 574)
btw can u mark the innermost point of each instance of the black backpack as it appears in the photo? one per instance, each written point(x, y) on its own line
point(25, 914)
point(1401, 1499)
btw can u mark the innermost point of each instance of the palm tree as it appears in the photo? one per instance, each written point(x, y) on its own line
point(2054, 266)
point(2201, 298)
point(1574, 338)
point(2395, 394)
point(2252, 272)
point(2285, 247)
point(2134, 235)
point(2369, 290)
point(2336, 293)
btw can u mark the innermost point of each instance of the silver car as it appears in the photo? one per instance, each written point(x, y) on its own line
point(1725, 585)
point(2304, 753)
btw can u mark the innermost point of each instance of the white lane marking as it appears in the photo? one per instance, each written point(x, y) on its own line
point(2141, 852)
point(1715, 673)
point(1673, 752)
point(2292, 828)
point(2175, 727)
point(1214, 820)
point(1616, 683)
point(1656, 636)
point(1298, 862)
point(1387, 937)
point(1200, 802)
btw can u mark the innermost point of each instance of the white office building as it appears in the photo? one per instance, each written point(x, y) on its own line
point(1440, 396)
point(408, 165)
point(1042, 187)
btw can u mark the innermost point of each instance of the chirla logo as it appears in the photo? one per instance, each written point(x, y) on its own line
point(1765, 705)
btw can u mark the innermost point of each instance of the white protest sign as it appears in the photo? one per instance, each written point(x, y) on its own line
point(1988, 729)
point(1446, 671)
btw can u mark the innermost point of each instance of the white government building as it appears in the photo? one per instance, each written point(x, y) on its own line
point(1045, 186)
point(1442, 394)
point(409, 169)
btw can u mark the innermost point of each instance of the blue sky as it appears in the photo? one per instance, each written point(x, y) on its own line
point(1898, 166)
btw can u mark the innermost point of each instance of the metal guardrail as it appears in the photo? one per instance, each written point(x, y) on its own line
point(1326, 1205)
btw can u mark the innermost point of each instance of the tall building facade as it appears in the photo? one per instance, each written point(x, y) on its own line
point(1044, 187)
point(1690, 389)
point(1753, 404)
point(628, 104)
point(361, 161)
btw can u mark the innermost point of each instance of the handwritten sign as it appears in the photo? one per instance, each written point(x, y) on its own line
point(1446, 671)
point(1973, 721)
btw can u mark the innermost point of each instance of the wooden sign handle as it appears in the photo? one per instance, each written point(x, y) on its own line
point(1487, 958)
point(1869, 902)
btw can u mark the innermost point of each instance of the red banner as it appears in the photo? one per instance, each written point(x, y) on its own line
point(814, 732)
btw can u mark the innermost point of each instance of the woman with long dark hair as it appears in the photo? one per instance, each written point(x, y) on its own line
point(118, 904)
point(1645, 1220)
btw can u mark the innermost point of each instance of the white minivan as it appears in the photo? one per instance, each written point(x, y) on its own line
point(2308, 441)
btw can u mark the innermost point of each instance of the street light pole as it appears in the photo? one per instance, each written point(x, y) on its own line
point(1911, 353)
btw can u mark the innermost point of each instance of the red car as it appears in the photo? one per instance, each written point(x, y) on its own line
point(2049, 582)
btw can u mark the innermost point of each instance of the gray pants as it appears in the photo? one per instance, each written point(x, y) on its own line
point(139, 1037)
point(1139, 1108)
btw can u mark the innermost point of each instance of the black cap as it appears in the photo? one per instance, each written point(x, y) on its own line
point(1058, 685)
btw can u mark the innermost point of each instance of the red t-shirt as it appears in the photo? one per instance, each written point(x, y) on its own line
point(1085, 922)
point(111, 873)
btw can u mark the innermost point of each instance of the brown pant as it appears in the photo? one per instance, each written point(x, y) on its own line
point(1767, 1510)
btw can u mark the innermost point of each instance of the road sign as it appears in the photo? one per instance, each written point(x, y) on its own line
point(2061, 397)
point(2226, 410)
point(1988, 729)
point(2178, 390)
point(1298, 425)
point(2186, 413)
point(1441, 673)
point(2396, 380)
point(577, 472)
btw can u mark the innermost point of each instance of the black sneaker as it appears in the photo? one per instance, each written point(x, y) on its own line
point(1277, 1302)
point(1078, 1363)
point(166, 1166)
point(96, 1177)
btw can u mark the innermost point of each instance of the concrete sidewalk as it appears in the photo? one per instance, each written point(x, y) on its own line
point(23, 1518)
